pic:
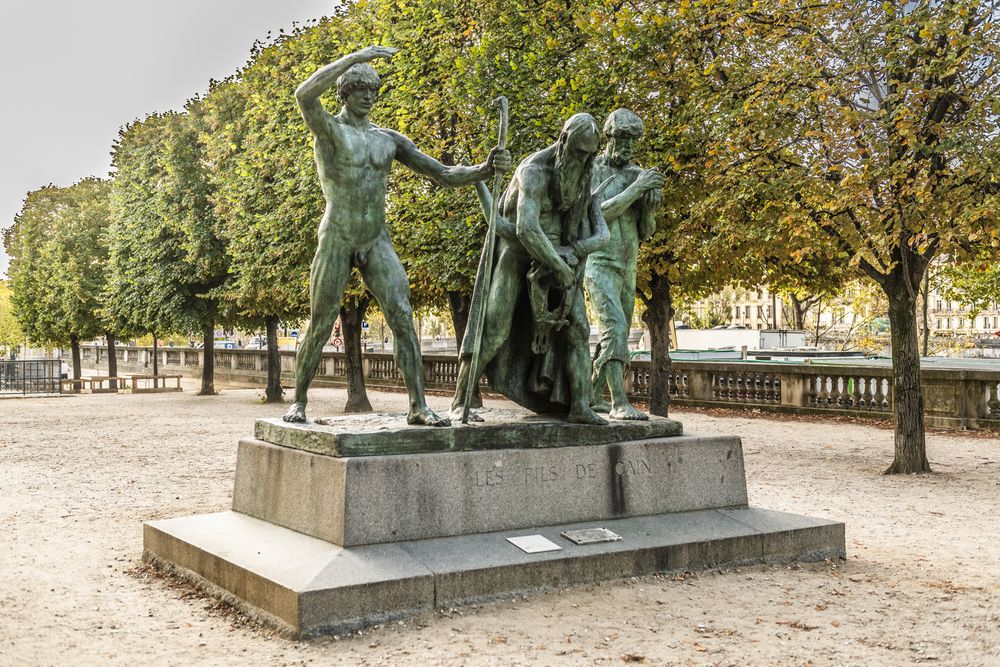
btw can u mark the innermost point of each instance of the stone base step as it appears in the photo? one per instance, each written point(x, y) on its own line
point(307, 587)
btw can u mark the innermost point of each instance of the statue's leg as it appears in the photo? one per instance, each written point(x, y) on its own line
point(604, 299)
point(507, 280)
point(598, 383)
point(616, 367)
point(331, 267)
point(578, 366)
point(386, 278)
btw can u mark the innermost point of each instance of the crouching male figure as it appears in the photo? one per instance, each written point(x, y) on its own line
point(534, 344)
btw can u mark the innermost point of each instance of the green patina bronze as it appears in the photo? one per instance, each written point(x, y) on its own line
point(533, 345)
point(629, 204)
point(354, 158)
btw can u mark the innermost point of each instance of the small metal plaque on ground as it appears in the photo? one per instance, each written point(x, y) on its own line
point(591, 536)
point(533, 544)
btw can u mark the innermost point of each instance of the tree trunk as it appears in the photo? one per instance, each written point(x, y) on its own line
point(156, 361)
point(460, 305)
point(798, 309)
point(926, 323)
point(819, 313)
point(659, 311)
point(208, 361)
point(112, 359)
point(273, 392)
point(907, 401)
point(352, 314)
point(74, 344)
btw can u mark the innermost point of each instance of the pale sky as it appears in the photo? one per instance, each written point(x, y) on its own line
point(72, 73)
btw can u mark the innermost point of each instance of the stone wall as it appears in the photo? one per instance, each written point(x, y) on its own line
point(952, 398)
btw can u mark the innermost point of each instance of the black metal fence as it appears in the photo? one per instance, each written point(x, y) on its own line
point(34, 376)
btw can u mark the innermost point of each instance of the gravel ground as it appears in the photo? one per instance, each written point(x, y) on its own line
point(79, 475)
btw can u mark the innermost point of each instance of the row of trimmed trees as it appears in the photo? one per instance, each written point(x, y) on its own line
point(805, 144)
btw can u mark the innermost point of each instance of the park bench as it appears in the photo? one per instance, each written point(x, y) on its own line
point(96, 384)
point(103, 385)
point(71, 385)
point(149, 384)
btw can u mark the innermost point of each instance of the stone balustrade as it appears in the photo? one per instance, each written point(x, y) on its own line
point(952, 398)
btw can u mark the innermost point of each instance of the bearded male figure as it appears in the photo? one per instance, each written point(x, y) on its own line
point(629, 205)
point(353, 158)
point(534, 344)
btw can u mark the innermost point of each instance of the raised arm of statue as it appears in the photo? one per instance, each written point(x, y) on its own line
point(308, 93)
point(408, 153)
point(533, 188)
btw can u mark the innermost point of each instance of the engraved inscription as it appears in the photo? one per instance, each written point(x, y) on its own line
point(531, 476)
point(539, 475)
point(633, 467)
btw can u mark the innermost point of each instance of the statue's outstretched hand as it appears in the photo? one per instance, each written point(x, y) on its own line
point(376, 52)
point(499, 159)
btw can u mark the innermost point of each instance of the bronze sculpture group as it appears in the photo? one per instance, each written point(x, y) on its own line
point(570, 219)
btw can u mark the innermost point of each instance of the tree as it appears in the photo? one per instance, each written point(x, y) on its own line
point(352, 315)
point(640, 54)
point(167, 256)
point(878, 123)
point(57, 273)
point(974, 283)
point(10, 331)
point(266, 194)
point(253, 260)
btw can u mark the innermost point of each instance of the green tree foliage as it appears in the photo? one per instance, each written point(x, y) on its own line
point(974, 283)
point(58, 266)
point(870, 130)
point(166, 254)
point(265, 190)
point(637, 56)
point(10, 331)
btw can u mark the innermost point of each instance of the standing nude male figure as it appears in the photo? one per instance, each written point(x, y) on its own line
point(353, 158)
point(629, 206)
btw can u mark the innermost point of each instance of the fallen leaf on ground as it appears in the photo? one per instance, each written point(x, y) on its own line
point(798, 625)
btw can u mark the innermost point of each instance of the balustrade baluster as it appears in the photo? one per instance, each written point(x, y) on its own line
point(839, 391)
point(993, 400)
point(879, 397)
point(824, 392)
point(856, 395)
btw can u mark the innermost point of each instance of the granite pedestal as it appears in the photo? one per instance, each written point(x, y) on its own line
point(333, 528)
